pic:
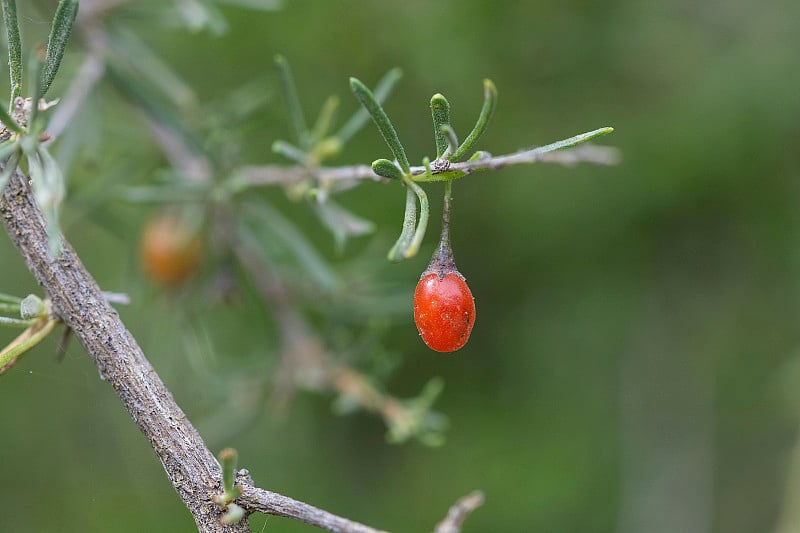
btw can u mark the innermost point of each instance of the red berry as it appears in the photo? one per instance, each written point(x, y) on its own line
point(444, 310)
point(170, 249)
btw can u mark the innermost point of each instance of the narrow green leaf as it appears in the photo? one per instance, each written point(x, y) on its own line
point(489, 104)
point(149, 66)
point(153, 104)
point(450, 137)
point(9, 122)
point(387, 169)
point(7, 148)
point(9, 298)
point(382, 91)
point(63, 21)
point(8, 170)
point(284, 241)
point(48, 190)
point(426, 162)
point(290, 151)
point(9, 309)
point(296, 117)
point(340, 222)
point(228, 457)
point(14, 47)
point(397, 253)
point(323, 124)
point(35, 79)
point(367, 99)
point(424, 211)
point(16, 322)
point(440, 111)
point(573, 141)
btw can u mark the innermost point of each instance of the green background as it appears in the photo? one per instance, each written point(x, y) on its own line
point(634, 362)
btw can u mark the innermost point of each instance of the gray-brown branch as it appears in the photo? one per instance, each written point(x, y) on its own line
point(78, 302)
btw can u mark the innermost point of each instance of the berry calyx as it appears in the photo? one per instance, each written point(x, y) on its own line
point(170, 249)
point(444, 309)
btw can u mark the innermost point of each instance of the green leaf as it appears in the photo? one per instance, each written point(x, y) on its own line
point(48, 190)
point(440, 111)
point(7, 148)
point(340, 222)
point(573, 141)
point(290, 151)
point(450, 136)
point(63, 21)
point(323, 124)
point(8, 170)
point(367, 99)
point(35, 75)
point(9, 122)
point(9, 309)
point(489, 104)
point(152, 103)
point(9, 298)
point(387, 169)
point(296, 117)
point(398, 251)
point(228, 457)
point(14, 47)
point(284, 238)
point(411, 237)
point(139, 57)
point(16, 322)
point(424, 211)
point(382, 91)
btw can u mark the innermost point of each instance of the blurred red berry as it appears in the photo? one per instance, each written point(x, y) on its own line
point(170, 249)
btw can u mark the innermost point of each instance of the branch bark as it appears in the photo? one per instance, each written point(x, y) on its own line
point(77, 300)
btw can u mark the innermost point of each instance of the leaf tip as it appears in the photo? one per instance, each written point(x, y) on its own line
point(355, 84)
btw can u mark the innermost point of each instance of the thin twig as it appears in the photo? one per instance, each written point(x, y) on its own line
point(266, 175)
point(256, 499)
point(270, 175)
point(459, 512)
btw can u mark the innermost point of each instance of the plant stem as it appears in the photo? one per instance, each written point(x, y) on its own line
point(443, 261)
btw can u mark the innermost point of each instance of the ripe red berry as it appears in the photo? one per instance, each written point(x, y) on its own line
point(444, 310)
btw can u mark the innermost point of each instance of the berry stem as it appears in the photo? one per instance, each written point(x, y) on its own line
point(443, 261)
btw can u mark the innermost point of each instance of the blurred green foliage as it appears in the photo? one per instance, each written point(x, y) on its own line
point(634, 362)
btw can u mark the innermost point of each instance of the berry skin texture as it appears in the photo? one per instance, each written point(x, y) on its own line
point(170, 250)
point(444, 311)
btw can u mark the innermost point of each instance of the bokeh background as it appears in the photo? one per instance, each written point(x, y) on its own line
point(635, 360)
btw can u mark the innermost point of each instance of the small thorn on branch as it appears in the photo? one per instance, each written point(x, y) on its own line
point(459, 512)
